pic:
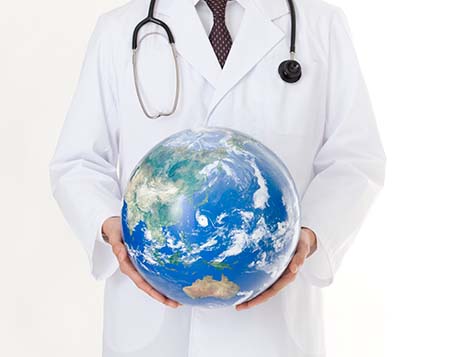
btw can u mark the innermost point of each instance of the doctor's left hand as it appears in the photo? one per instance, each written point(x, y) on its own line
point(113, 231)
point(307, 244)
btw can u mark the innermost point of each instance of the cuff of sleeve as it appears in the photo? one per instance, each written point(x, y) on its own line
point(102, 260)
point(318, 268)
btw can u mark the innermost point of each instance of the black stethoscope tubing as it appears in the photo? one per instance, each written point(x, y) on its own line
point(290, 70)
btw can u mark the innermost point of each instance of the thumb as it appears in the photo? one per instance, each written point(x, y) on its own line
point(115, 236)
point(112, 230)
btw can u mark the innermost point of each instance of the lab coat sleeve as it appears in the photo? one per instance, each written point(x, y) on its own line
point(83, 174)
point(349, 166)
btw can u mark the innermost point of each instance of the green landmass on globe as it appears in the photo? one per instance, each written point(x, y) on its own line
point(210, 217)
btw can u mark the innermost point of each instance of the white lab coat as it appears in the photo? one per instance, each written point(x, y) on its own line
point(322, 127)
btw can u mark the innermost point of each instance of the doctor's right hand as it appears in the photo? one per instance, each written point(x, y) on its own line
point(112, 229)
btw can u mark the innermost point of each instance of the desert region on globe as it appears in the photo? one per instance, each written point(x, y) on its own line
point(210, 217)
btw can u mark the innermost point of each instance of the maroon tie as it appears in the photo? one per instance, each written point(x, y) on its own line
point(219, 36)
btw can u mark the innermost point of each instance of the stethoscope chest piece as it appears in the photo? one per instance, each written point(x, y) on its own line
point(290, 71)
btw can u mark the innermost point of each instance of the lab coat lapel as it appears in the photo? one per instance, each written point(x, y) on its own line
point(191, 39)
point(256, 36)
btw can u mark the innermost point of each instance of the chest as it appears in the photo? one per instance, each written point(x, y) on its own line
point(287, 117)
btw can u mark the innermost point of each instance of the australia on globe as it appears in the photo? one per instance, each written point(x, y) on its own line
point(210, 217)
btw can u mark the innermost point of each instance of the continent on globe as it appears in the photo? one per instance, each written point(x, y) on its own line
point(208, 287)
point(206, 202)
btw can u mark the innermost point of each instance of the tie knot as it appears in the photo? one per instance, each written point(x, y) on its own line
point(217, 7)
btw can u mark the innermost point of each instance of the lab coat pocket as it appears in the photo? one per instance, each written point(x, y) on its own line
point(291, 109)
point(280, 102)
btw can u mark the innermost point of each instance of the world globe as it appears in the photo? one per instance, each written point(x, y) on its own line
point(210, 217)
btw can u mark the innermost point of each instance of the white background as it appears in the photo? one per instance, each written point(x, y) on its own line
point(391, 296)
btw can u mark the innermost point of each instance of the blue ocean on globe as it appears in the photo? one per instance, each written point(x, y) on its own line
point(210, 217)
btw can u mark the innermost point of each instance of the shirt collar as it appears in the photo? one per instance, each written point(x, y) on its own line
point(195, 2)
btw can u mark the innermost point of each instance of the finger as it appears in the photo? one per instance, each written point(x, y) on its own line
point(299, 258)
point(286, 278)
point(266, 295)
point(120, 251)
point(303, 251)
point(249, 303)
point(128, 269)
point(115, 237)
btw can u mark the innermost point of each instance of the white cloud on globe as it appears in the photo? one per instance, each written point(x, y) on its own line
point(261, 195)
point(199, 248)
point(245, 295)
point(202, 220)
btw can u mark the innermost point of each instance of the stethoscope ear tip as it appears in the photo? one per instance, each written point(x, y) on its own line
point(290, 71)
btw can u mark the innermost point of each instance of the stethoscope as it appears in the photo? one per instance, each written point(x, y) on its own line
point(290, 70)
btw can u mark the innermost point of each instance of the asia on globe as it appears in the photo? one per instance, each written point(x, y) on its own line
point(210, 217)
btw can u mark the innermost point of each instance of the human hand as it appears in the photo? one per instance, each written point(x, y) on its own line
point(307, 244)
point(112, 229)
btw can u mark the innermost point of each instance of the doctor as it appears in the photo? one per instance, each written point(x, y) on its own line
point(227, 57)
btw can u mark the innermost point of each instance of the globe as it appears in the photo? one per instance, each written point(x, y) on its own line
point(210, 217)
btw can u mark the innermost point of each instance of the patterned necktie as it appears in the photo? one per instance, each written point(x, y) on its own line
point(219, 36)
